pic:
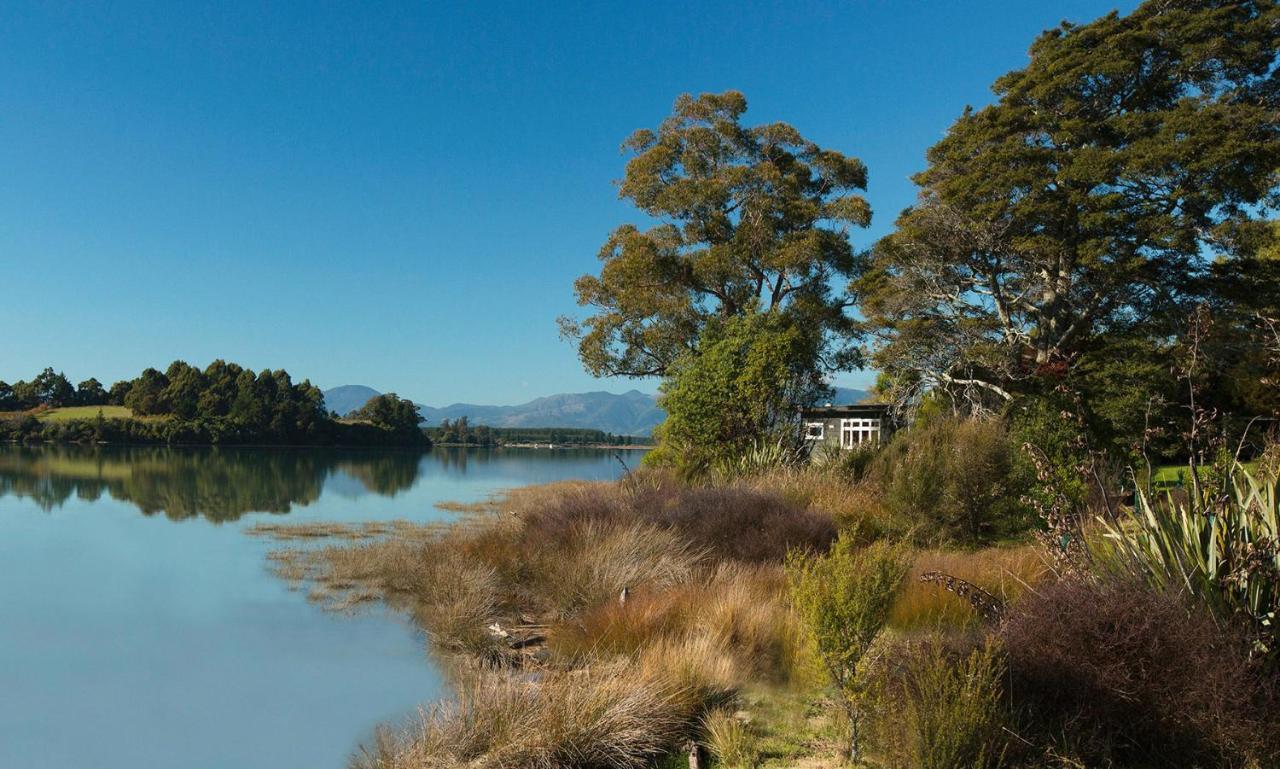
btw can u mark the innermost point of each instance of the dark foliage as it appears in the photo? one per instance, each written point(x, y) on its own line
point(223, 404)
point(391, 412)
point(1113, 673)
point(954, 479)
point(461, 432)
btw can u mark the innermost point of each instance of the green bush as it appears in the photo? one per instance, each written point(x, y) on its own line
point(940, 710)
point(843, 599)
point(954, 480)
point(741, 389)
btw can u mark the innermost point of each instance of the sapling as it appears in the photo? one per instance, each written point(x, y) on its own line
point(844, 599)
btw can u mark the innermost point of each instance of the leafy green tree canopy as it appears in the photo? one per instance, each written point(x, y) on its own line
point(91, 393)
point(748, 383)
point(392, 412)
point(751, 219)
point(1089, 199)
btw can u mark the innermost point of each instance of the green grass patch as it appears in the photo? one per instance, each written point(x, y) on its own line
point(71, 413)
point(68, 413)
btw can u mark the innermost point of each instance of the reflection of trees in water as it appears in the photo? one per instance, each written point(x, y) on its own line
point(457, 458)
point(218, 484)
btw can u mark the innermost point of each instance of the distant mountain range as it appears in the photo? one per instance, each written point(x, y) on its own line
point(348, 398)
point(629, 413)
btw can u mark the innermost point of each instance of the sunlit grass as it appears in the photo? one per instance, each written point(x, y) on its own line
point(69, 413)
point(1005, 572)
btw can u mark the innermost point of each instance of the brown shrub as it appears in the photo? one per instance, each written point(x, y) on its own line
point(728, 522)
point(1116, 673)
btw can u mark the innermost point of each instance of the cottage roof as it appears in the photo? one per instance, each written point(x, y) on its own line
point(848, 410)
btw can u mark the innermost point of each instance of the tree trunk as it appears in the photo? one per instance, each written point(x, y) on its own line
point(855, 753)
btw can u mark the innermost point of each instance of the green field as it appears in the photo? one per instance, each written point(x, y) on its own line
point(1169, 474)
point(68, 413)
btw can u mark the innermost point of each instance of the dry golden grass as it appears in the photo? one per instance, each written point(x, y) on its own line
point(617, 715)
point(618, 684)
point(852, 505)
point(321, 530)
point(737, 608)
point(1003, 572)
point(483, 506)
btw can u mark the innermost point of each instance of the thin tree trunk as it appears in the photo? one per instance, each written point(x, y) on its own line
point(854, 736)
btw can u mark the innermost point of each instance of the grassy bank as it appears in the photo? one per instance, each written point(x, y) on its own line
point(608, 624)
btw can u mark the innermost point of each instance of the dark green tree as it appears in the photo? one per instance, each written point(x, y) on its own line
point(182, 394)
point(220, 390)
point(90, 393)
point(54, 389)
point(118, 392)
point(391, 412)
point(1089, 200)
point(146, 394)
point(752, 219)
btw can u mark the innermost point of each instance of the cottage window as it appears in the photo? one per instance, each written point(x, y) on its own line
point(814, 431)
point(855, 432)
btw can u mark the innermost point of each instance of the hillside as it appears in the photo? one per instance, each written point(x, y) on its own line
point(629, 413)
point(348, 398)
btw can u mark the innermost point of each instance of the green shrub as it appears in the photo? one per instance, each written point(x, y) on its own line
point(742, 387)
point(954, 479)
point(844, 599)
point(940, 710)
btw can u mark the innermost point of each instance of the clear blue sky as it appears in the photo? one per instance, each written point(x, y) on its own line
point(401, 194)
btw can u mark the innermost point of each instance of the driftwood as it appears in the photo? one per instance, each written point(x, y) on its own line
point(989, 607)
point(521, 636)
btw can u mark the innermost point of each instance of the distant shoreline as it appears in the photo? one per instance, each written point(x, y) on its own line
point(547, 446)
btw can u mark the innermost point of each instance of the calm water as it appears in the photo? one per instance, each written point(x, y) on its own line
point(140, 627)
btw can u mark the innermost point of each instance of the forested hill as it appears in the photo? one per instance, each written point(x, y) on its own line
point(630, 413)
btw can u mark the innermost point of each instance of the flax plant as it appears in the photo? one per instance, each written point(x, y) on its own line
point(1221, 547)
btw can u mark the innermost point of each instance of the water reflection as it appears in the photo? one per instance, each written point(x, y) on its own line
point(181, 483)
point(223, 484)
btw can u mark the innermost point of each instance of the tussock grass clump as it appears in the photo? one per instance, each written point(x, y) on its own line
point(830, 490)
point(600, 558)
point(741, 608)
point(730, 739)
point(618, 716)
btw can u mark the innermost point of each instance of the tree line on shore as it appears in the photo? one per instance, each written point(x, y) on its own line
point(461, 432)
point(223, 403)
